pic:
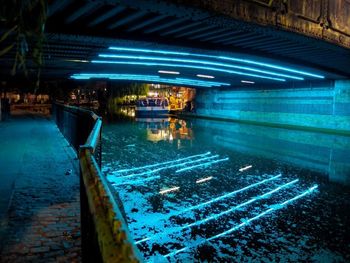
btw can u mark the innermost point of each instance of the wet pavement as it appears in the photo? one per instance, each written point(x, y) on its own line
point(39, 192)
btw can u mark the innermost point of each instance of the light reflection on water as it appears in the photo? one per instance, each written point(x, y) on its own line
point(310, 229)
point(165, 128)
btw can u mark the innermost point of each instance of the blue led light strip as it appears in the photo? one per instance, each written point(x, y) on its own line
point(149, 51)
point(205, 62)
point(146, 77)
point(136, 182)
point(240, 205)
point(273, 66)
point(173, 166)
point(218, 198)
point(237, 227)
point(202, 164)
point(152, 78)
point(185, 66)
point(158, 164)
point(221, 197)
point(245, 61)
point(216, 216)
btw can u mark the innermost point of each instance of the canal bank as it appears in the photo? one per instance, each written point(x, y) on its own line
point(40, 219)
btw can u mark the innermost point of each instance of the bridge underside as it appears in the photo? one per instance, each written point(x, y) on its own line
point(261, 31)
point(278, 63)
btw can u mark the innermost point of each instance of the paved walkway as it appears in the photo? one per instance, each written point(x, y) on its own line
point(39, 193)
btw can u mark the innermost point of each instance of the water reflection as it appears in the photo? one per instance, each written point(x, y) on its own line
point(165, 129)
point(127, 111)
point(319, 152)
point(182, 203)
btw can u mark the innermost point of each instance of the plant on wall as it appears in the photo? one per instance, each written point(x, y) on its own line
point(23, 24)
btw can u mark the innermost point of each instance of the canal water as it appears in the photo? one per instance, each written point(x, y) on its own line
point(198, 190)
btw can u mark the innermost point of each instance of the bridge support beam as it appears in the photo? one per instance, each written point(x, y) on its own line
point(322, 19)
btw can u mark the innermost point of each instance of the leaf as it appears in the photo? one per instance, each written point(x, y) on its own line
point(6, 49)
point(28, 18)
point(22, 61)
point(4, 36)
point(13, 71)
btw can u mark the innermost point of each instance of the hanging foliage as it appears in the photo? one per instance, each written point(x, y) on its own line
point(24, 24)
point(123, 89)
point(120, 91)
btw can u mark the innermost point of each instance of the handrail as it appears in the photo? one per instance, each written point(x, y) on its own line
point(105, 235)
point(113, 236)
point(77, 109)
point(92, 140)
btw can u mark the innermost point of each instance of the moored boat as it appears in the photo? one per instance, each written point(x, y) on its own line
point(152, 107)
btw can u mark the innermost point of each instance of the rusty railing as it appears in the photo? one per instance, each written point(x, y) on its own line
point(104, 232)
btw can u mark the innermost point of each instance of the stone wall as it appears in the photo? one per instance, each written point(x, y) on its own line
point(323, 107)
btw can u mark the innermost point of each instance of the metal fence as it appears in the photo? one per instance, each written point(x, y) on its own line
point(104, 232)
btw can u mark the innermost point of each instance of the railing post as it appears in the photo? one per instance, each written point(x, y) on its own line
point(89, 244)
point(104, 233)
point(99, 150)
point(84, 222)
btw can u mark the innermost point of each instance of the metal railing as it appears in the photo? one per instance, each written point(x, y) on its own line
point(104, 232)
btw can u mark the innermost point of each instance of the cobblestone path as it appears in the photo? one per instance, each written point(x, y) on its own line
point(43, 217)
